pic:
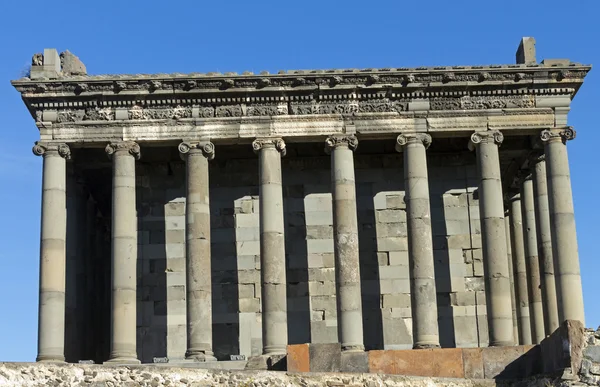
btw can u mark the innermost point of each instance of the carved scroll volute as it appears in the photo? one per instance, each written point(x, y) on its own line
point(206, 147)
point(333, 142)
point(407, 138)
point(130, 147)
point(490, 137)
point(564, 135)
point(42, 149)
point(276, 143)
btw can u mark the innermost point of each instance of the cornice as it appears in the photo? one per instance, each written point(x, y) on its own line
point(302, 80)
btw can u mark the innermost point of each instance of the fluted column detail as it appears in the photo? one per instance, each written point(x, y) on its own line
point(495, 258)
point(420, 243)
point(272, 246)
point(520, 268)
point(123, 252)
point(345, 237)
point(536, 310)
point(51, 317)
point(197, 243)
point(562, 221)
point(542, 217)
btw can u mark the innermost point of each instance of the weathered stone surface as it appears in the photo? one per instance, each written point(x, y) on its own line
point(24, 374)
point(298, 358)
point(325, 357)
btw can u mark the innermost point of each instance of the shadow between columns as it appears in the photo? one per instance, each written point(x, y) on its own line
point(298, 305)
point(446, 328)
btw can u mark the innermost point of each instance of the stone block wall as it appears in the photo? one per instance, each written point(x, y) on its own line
point(309, 250)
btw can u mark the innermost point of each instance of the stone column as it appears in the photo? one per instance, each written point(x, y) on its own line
point(536, 310)
point(272, 246)
point(197, 244)
point(345, 236)
point(518, 254)
point(420, 243)
point(542, 217)
point(495, 258)
point(123, 253)
point(511, 276)
point(51, 317)
point(562, 221)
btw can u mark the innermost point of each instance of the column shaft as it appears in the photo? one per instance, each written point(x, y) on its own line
point(495, 258)
point(520, 267)
point(562, 220)
point(51, 317)
point(345, 235)
point(197, 239)
point(420, 243)
point(272, 246)
point(511, 274)
point(542, 216)
point(536, 310)
point(123, 253)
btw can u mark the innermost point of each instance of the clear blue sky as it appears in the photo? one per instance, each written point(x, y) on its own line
point(133, 36)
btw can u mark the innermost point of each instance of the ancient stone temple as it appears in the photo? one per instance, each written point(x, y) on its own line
point(203, 216)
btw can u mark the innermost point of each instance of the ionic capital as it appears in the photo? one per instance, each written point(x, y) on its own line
point(490, 137)
point(43, 149)
point(207, 148)
point(412, 138)
point(564, 135)
point(276, 143)
point(349, 141)
point(131, 147)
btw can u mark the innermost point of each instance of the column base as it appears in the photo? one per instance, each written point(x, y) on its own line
point(425, 346)
point(502, 344)
point(353, 348)
point(50, 359)
point(123, 360)
point(200, 356)
point(274, 362)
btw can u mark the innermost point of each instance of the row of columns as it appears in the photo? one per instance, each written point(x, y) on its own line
point(544, 245)
point(272, 244)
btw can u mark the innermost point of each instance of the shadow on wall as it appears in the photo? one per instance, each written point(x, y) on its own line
point(297, 267)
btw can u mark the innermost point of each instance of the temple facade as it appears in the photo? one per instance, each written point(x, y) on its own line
point(200, 216)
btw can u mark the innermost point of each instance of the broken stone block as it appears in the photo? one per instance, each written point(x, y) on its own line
point(71, 65)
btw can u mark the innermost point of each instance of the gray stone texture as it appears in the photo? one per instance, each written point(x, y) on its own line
point(346, 248)
point(544, 239)
point(536, 310)
point(312, 314)
point(562, 220)
point(520, 270)
point(124, 252)
point(198, 286)
point(272, 246)
point(493, 235)
point(420, 243)
point(51, 317)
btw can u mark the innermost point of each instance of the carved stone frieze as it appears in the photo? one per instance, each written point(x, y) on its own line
point(99, 114)
point(229, 111)
point(160, 113)
point(484, 102)
point(314, 107)
point(275, 109)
